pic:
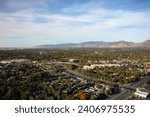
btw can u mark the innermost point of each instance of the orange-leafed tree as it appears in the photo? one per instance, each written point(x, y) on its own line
point(80, 95)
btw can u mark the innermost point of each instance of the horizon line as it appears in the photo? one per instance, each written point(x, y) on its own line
point(34, 46)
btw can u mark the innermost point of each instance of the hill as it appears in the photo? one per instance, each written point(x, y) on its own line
point(98, 44)
point(145, 43)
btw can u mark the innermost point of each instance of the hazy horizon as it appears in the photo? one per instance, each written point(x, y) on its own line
point(26, 23)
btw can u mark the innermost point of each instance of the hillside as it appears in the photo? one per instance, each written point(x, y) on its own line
point(145, 43)
point(98, 44)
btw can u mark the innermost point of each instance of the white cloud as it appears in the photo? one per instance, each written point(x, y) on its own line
point(93, 24)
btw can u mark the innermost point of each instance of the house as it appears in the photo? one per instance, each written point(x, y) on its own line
point(140, 93)
point(73, 60)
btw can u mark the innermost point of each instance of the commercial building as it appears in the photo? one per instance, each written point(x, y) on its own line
point(140, 93)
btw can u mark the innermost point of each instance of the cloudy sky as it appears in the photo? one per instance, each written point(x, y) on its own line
point(26, 23)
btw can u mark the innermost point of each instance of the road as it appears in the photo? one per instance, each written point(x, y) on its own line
point(58, 62)
point(128, 89)
point(128, 92)
point(121, 96)
point(140, 82)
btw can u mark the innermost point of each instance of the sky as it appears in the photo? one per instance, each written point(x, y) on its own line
point(27, 23)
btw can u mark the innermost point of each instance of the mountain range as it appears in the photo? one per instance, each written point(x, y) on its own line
point(98, 44)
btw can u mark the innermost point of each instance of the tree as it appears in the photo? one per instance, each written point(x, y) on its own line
point(80, 95)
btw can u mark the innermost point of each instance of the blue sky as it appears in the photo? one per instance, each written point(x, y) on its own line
point(26, 23)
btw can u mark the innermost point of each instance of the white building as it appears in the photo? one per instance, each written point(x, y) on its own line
point(141, 93)
point(14, 60)
point(100, 65)
point(86, 67)
point(73, 60)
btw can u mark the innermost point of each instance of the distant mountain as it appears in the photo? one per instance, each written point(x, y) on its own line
point(121, 44)
point(145, 43)
point(98, 44)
